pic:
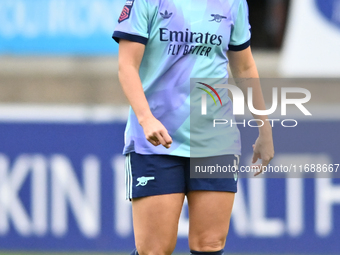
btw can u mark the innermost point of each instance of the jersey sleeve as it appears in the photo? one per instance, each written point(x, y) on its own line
point(133, 22)
point(240, 33)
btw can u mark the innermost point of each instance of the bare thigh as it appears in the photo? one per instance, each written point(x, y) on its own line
point(209, 217)
point(155, 221)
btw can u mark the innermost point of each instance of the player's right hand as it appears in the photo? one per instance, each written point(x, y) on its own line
point(263, 149)
point(155, 132)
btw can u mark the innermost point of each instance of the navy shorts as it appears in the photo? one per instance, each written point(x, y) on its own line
point(150, 175)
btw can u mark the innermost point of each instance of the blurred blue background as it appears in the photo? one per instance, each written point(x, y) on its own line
point(58, 26)
point(62, 189)
point(84, 27)
point(63, 113)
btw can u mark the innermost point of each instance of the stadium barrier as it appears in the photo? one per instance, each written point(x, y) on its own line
point(62, 186)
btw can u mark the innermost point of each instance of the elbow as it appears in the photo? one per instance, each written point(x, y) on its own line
point(121, 72)
point(244, 69)
point(125, 70)
point(244, 66)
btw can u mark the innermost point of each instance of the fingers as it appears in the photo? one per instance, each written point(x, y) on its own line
point(160, 138)
point(156, 133)
point(153, 140)
point(256, 155)
point(164, 138)
point(259, 169)
point(264, 164)
point(167, 139)
point(266, 158)
point(263, 149)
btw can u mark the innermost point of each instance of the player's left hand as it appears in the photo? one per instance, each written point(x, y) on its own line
point(263, 149)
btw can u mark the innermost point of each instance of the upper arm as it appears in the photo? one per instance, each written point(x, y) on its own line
point(133, 23)
point(239, 53)
point(132, 33)
point(240, 60)
point(130, 54)
point(240, 32)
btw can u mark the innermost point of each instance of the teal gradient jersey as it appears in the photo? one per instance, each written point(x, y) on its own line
point(183, 40)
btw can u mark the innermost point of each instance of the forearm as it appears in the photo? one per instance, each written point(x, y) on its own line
point(247, 76)
point(133, 90)
point(130, 57)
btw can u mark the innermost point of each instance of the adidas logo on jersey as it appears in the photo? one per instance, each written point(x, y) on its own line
point(166, 15)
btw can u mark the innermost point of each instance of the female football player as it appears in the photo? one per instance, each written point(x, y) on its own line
point(167, 50)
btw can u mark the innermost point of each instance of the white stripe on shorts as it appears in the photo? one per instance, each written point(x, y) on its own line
point(128, 178)
point(237, 161)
